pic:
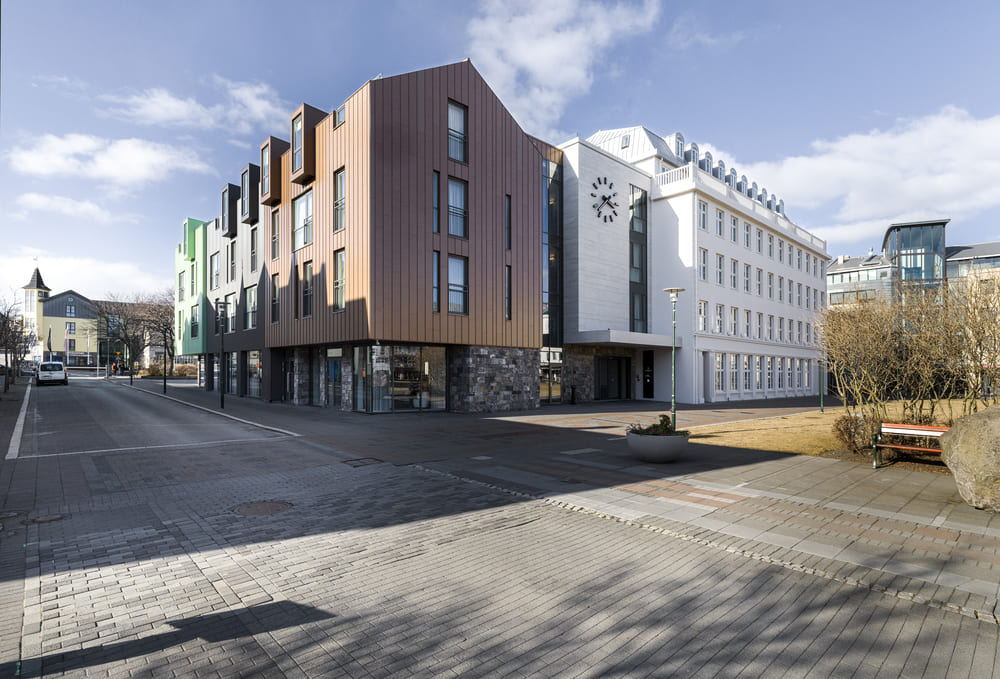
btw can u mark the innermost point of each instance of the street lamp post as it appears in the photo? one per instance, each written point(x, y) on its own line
point(673, 356)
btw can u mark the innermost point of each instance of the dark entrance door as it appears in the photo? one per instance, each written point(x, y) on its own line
point(647, 374)
point(611, 378)
point(288, 375)
point(334, 395)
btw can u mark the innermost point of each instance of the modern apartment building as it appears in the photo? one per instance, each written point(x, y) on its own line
point(415, 250)
point(912, 252)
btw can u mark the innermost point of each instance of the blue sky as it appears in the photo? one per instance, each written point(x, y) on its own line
point(120, 119)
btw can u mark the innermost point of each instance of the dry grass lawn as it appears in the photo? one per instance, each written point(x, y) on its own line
point(805, 434)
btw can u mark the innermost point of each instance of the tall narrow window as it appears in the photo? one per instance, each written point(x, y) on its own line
point(274, 235)
point(245, 194)
point(250, 312)
point(637, 270)
point(734, 228)
point(720, 269)
point(702, 215)
point(436, 282)
point(458, 285)
point(507, 293)
point(232, 260)
point(302, 211)
point(253, 249)
point(265, 170)
point(307, 289)
point(339, 200)
point(297, 143)
point(702, 315)
point(458, 214)
point(506, 222)
point(213, 270)
point(703, 264)
point(436, 202)
point(746, 235)
point(720, 219)
point(275, 299)
point(746, 277)
point(194, 281)
point(194, 321)
point(458, 118)
point(339, 272)
point(181, 287)
point(230, 313)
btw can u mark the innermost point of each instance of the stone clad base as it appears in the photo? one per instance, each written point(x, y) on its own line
point(489, 379)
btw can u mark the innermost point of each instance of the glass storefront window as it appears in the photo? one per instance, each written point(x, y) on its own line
point(400, 378)
point(253, 373)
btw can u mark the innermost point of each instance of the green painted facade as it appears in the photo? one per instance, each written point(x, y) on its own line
point(190, 302)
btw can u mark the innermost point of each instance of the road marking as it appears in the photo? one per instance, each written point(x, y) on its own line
point(15, 438)
point(197, 444)
point(580, 451)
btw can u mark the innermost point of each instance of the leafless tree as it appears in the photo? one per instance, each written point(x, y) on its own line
point(13, 340)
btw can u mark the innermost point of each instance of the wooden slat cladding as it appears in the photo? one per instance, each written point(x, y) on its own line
point(409, 142)
point(344, 146)
point(394, 136)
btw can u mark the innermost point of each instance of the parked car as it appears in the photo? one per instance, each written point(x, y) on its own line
point(51, 371)
point(28, 369)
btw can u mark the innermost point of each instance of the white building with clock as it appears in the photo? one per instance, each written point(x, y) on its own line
point(642, 213)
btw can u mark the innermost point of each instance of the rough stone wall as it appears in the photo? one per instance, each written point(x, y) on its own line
point(489, 379)
point(346, 383)
point(300, 395)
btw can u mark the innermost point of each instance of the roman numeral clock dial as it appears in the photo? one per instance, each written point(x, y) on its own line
point(604, 196)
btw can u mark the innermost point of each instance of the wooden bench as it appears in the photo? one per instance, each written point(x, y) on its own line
point(920, 431)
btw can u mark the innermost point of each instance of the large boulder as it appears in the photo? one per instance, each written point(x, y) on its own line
point(972, 452)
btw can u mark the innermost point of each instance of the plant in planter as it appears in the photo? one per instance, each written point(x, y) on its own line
point(657, 442)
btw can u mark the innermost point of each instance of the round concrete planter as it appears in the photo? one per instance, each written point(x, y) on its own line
point(656, 448)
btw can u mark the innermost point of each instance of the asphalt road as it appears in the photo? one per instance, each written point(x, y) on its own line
point(143, 537)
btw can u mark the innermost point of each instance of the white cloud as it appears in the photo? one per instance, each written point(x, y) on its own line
point(91, 277)
point(120, 163)
point(63, 83)
point(946, 164)
point(30, 203)
point(684, 33)
point(537, 56)
point(244, 108)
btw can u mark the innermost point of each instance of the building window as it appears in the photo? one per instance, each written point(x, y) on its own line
point(781, 288)
point(458, 285)
point(275, 299)
point(194, 321)
point(747, 322)
point(637, 323)
point(770, 285)
point(720, 219)
point(70, 310)
point(230, 312)
point(506, 293)
point(760, 325)
point(734, 315)
point(339, 200)
point(71, 345)
point(703, 215)
point(770, 328)
point(339, 272)
point(265, 170)
point(274, 235)
point(217, 316)
point(734, 372)
point(297, 143)
point(702, 315)
point(770, 372)
point(746, 235)
point(781, 250)
point(637, 268)
point(194, 282)
point(781, 329)
point(808, 295)
point(720, 269)
point(770, 246)
point(746, 277)
point(458, 214)
point(790, 288)
point(506, 222)
point(253, 249)
point(703, 264)
point(637, 209)
point(70, 327)
point(302, 216)
point(307, 289)
point(180, 286)
point(458, 143)
point(436, 281)
point(720, 318)
point(250, 310)
point(720, 373)
point(798, 294)
point(232, 260)
point(734, 268)
point(781, 373)
point(245, 194)
point(436, 202)
point(758, 372)
point(760, 241)
point(760, 282)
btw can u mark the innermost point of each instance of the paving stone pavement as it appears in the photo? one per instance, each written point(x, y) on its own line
point(568, 563)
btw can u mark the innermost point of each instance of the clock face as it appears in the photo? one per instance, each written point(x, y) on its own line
point(604, 199)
